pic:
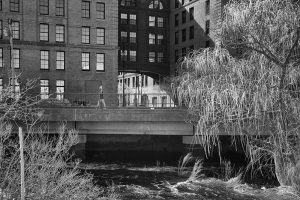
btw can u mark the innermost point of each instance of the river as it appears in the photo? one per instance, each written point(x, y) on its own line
point(131, 181)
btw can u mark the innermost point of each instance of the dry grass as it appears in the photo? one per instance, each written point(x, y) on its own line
point(182, 164)
point(47, 172)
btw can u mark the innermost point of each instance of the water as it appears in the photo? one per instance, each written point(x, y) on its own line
point(158, 182)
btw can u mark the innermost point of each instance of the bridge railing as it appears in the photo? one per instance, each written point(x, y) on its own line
point(112, 100)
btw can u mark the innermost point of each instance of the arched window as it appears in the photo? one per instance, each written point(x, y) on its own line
point(156, 4)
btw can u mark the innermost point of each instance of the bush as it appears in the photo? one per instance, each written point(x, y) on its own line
point(50, 172)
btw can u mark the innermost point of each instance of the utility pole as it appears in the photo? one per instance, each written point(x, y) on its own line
point(12, 66)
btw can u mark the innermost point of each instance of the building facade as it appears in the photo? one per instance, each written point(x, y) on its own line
point(68, 46)
point(193, 25)
point(143, 91)
point(144, 36)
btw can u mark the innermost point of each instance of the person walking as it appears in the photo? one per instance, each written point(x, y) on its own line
point(101, 98)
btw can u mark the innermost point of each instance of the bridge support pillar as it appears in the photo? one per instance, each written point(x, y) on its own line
point(80, 148)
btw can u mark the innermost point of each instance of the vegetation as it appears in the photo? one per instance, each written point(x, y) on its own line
point(50, 172)
point(254, 94)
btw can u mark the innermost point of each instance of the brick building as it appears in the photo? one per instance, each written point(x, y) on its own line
point(154, 34)
point(193, 24)
point(144, 36)
point(69, 46)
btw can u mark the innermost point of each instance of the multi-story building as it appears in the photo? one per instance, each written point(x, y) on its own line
point(68, 46)
point(144, 36)
point(193, 25)
point(155, 34)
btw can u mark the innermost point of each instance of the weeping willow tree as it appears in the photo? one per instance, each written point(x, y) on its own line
point(256, 94)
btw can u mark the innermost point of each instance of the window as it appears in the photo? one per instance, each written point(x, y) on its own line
point(160, 39)
point(128, 2)
point(14, 5)
point(207, 27)
point(100, 37)
point(1, 29)
point(60, 89)
point(16, 30)
point(16, 61)
point(151, 21)
point(191, 36)
point(1, 57)
point(60, 60)
point(100, 62)
point(44, 32)
point(60, 7)
point(85, 61)
point(183, 36)
point(191, 13)
point(124, 55)
point(60, 33)
point(100, 10)
point(123, 18)
point(151, 57)
point(176, 55)
point(154, 101)
point(132, 19)
point(156, 4)
point(133, 82)
point(163, 101)
point(207, 7)
point(176, 19)
point(132, 56)
point(44, 59)
point(123, 36)
point(85, 9)
point(44, 89)
point(183, 17)
point(176, 37)
point(151, 38)
point(207, 43)
point(176, 3)
point(44, 7)
point(85, 35)
point(160, 57)
point(183, 52)
point(132, 37)
point(160, 22)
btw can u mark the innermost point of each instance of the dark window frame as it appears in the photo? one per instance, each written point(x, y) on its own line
point(60, 7)
point(100, 10)
point(60, 61)
point(43, 59)
point(89, 61)
point(100, 70)
point(58, 34)
point(100, 36)
point(86, 9)
point(14, 5)
point(44, 7)
point(42, 32)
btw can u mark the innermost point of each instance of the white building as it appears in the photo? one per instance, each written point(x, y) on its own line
point(142, 90)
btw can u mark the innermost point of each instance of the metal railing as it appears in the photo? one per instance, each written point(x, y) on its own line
point(112, 100)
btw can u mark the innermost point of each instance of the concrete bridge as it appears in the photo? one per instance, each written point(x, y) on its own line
point(120, 121)
point(123, 129)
